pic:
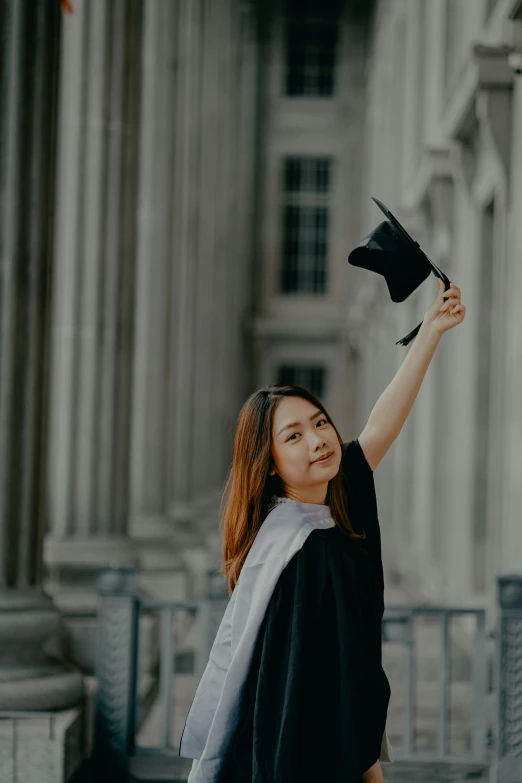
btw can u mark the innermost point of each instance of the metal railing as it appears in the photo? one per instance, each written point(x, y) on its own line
point(399, 626)
point(117, 716)
point(169, 614)
point(117, 666)
point(9, 759)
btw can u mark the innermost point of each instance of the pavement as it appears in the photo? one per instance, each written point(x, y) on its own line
point(434, 773)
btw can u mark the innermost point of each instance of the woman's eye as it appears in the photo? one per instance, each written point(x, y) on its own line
point(296, 433)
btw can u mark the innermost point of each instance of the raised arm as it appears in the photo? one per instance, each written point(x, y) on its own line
point(395, 403)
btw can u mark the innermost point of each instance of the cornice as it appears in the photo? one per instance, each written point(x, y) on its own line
point(480, 109)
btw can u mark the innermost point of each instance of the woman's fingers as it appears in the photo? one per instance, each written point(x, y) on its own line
point(460, 308)
point(449, 303)
point(453, 290)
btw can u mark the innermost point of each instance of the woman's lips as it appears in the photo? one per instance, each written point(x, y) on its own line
point(322, 461)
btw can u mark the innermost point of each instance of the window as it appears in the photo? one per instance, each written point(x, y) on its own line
point(310, 376)
point(305, 219)
point(310, 32)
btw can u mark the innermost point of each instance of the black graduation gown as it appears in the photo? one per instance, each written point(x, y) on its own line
point(316, 696)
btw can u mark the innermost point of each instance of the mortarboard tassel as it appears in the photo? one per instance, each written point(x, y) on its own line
point(409, 337)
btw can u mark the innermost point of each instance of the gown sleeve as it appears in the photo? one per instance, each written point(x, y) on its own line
point(361, 495)
point(316, 697)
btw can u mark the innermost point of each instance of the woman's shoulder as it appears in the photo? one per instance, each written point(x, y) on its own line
point(331, 542)
point(354, 459)
point(358, 478)
point(324, 551)
point(360, 492)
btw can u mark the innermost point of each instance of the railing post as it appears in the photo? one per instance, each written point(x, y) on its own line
point(507, 763)
point(209, 616)
point(397, 626)
point(116, 671)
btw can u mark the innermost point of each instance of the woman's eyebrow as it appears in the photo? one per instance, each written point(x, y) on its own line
point(297, 423)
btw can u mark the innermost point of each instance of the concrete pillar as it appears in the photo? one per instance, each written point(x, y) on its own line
point(32, 674)
point(248, 125)
point(511, 544)
point(226, 292)
point(192, 326)
point(239, 137)
point(211, 279)
point(184, 249)
point(93, 300)
point(162, 570)
point(203, 453)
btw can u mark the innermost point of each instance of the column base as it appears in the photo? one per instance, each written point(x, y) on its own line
point(163, 573)
point(197, 538)
point(33, 672)
point(72, 566)
point(58, 690)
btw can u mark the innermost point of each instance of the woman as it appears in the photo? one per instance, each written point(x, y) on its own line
point(294, 689)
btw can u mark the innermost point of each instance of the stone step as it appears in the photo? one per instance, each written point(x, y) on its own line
point(434, 772)
point(159, 770)
point(176, 770)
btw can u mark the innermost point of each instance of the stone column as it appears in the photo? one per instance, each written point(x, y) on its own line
point(203, 452)
point(30, 625)
point(215, 161)
point(512, 532)
point(248, 123)
point(187, 239)
point(162, 570)
point(226, 291)
point(192, 284)
point(93, 300)
point(239, 84)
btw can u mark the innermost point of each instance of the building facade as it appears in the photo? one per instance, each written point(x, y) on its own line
point(444, 130)
point(312, 87)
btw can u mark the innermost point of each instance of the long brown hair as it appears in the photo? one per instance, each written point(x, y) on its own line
point(249, 487)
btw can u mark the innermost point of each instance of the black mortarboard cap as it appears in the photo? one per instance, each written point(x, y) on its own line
point(391, 252)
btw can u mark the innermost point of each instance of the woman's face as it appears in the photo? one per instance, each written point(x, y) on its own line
point(301, 433)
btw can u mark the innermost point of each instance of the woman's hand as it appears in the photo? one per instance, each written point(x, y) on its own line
point(374, 774)
point(447, 310)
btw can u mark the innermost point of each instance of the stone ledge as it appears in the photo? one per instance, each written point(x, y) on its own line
point(38, 754)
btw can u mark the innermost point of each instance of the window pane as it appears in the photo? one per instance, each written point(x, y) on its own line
point(312, 377)
point(305, 224)
point(306, 174)
point(311, 30)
